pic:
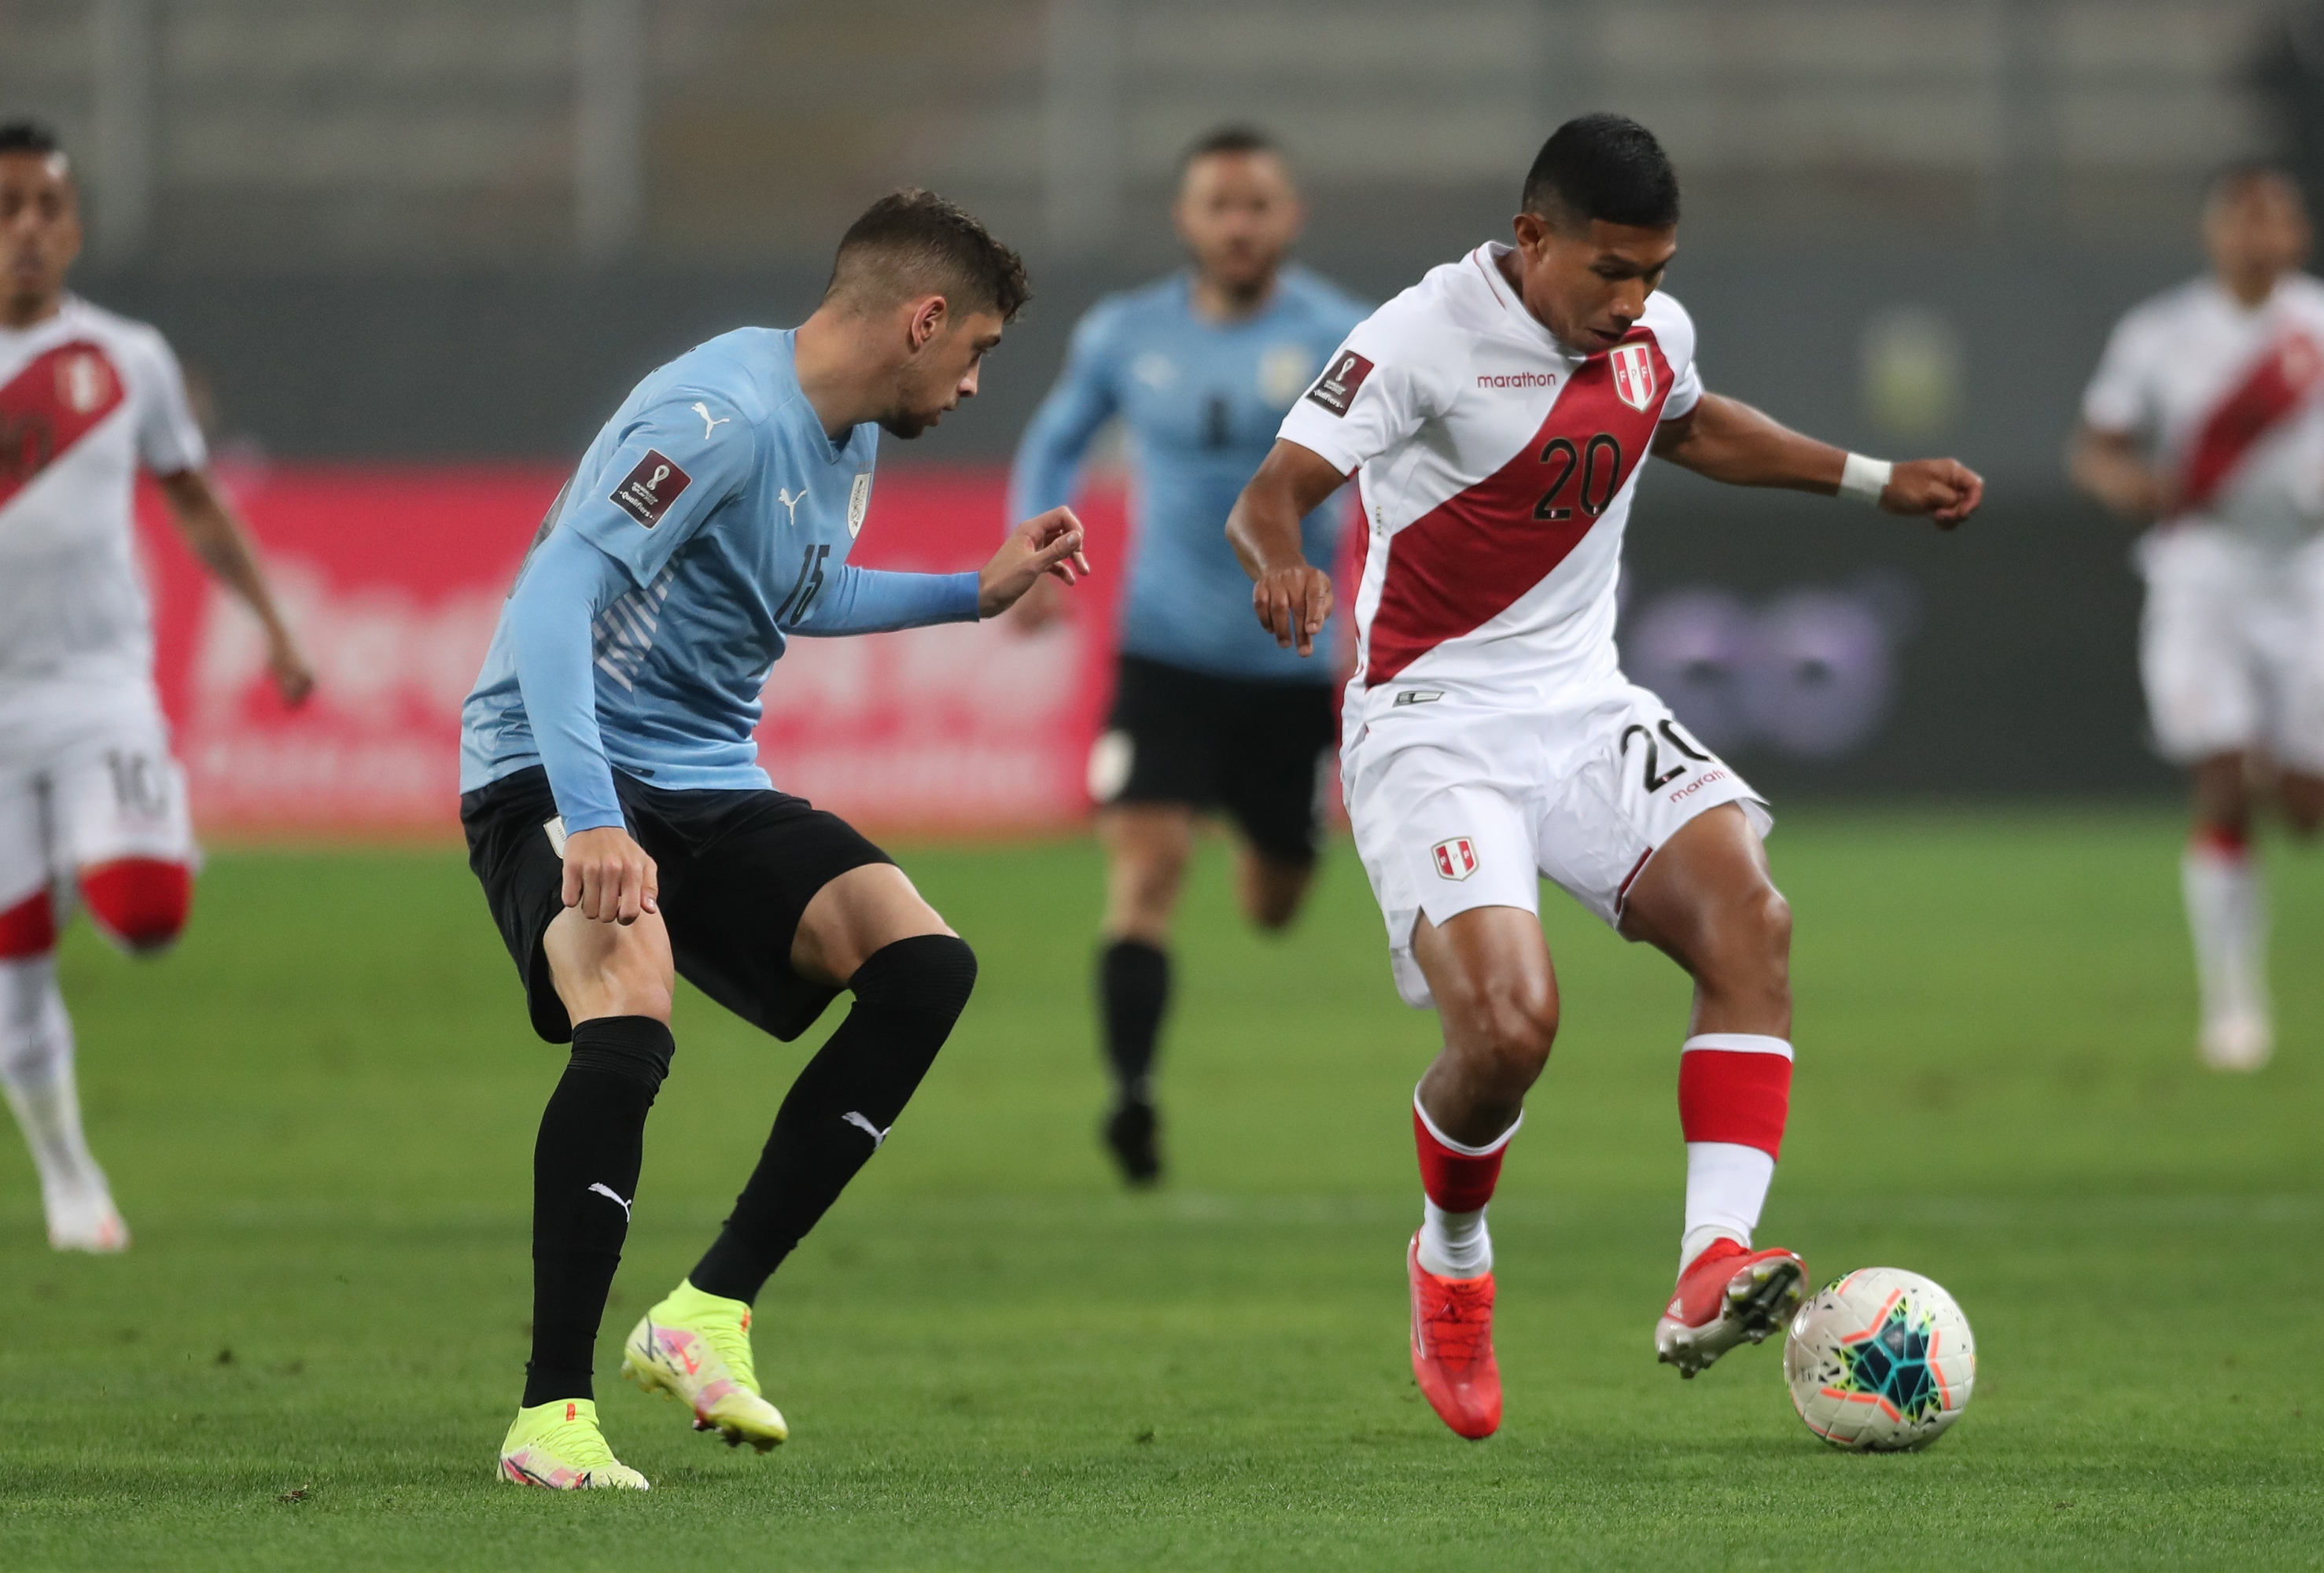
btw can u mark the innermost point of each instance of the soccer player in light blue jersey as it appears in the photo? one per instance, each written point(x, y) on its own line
point(1208, 713)
point(623, 830)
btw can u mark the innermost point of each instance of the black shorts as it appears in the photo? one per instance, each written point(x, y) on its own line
point(1253, 747)
point(735, 868)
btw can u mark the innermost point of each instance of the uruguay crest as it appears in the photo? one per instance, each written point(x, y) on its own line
point(1634, 374)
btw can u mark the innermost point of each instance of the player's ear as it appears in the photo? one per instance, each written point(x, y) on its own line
point(1532, 233)
point(925, 323)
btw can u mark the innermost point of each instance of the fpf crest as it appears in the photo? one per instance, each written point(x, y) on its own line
point(1634, 374)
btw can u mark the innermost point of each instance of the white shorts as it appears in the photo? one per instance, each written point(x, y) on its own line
point(2231, 646)
point(115, 792)
point(1458, 806)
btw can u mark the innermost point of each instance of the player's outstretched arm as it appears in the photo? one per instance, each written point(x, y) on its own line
point(1048, 546)
point(1291, 595)
point(219, 537)
point(2110, 467)
point(1728, 440)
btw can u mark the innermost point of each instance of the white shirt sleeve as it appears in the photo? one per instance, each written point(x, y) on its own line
point(2120, 397)
point(168, 439)
point(1372, 395)
point(1686, 392)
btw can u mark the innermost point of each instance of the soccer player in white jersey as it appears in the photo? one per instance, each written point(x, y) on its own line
point(92, 807)
point(2206, 419)
point(1497, 414)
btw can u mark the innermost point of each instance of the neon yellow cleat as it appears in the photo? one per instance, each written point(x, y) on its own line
point(697, 1348)
point(558, 1446)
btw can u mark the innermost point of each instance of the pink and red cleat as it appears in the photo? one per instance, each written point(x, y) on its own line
point(1729, 1294)
point(1453, 1347)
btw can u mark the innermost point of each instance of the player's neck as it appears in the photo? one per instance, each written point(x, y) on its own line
point(831, 373)
point(18, 313)
point(2250, 291)
point(1215, 302)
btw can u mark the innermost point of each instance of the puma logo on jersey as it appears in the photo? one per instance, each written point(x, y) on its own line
point(879, 1137)
point(791, 503)
point(708, 425)
point(646, 493)
point(607, 1192)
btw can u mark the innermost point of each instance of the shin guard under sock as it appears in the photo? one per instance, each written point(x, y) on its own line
point(908, 996)
point(1734, 1097)
point(585, 1176)
point(1134, 993)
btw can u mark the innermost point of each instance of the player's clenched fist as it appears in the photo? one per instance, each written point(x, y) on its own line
point(609, 876)
point(1943, 490)
point(1292, 603)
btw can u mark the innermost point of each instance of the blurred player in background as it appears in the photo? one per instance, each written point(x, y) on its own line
point(92, 807)
point(623, 830)
point(1498, 413)
point(2206, 419)
point(1208, 712)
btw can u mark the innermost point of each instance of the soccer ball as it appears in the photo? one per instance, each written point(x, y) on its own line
point(1880, 1361)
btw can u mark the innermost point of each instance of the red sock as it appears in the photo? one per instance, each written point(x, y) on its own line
point(1457, 1179)
point(2230, 842)
point(1735, 1088)
point(141, 901)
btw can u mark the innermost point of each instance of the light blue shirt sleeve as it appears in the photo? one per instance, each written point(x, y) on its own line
point(557, 600)
point(679, 459)
point(869, 600)
point(1049, 457)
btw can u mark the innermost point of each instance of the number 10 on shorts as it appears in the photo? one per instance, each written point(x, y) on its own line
point(1455, 858)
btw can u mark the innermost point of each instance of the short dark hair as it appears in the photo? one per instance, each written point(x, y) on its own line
point(914, 242)
point(28, 136)
point(1238, 137)
point(1603, 167)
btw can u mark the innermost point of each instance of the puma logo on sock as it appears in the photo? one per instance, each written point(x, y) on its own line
point(877, 1135)
point(607, 1192)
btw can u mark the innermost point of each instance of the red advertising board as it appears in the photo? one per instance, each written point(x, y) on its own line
point(395, 577)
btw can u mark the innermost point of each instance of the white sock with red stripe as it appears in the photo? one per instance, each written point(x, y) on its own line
point(36, 1067)
point(1734, 1095)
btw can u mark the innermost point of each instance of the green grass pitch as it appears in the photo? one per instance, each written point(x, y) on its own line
point(318, 1114)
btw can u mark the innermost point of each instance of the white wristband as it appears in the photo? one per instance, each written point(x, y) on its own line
point(1865, 478)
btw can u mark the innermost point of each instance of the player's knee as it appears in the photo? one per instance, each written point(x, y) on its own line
point(928, 974)
point(1510, 1025)
point(1750, 946)
point(139, 902)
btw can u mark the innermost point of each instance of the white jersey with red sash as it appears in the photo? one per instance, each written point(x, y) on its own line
point(1488, 739)
point(86, 398)
point(1496, 468)
point(2228, 398)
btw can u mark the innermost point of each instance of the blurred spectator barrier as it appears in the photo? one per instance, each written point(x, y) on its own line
point(395, 577)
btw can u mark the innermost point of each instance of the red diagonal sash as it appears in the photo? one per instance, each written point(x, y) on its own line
point(50, 405)
point(2277, 384)
point(1468, 558)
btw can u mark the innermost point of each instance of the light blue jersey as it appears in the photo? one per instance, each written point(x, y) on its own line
point(711, 519)
point(1202, 401)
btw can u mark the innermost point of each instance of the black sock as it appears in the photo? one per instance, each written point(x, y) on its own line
point(1134, 990)
point(908, 996)
point(591, 1142)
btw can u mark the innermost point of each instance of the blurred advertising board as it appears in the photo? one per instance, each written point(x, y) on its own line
point(394, 577)
point(1825, 651)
